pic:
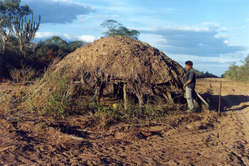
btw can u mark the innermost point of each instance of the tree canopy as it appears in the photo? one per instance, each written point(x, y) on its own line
point(115, 28)
point(238, 72)
point(56, 47)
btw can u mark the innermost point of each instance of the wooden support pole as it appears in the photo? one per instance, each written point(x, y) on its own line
point(125, 97)
point(96, 96)
point(140, 100)
point(170, 98)
point(219, 109)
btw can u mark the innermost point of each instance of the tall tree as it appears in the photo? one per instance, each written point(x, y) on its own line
point(25, 29)
point(115, 28)
point(4, 32)
point(17, 20)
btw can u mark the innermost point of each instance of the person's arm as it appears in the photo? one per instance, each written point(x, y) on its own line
point(191, 77)
point(187, 83)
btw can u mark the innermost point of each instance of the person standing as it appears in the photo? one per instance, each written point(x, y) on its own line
point(189, 85)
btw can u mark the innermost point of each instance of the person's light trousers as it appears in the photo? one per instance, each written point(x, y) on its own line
point(189, 97)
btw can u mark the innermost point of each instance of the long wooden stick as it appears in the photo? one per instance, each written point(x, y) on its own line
point(125, 98)
point(219, 109)
point(201, 98)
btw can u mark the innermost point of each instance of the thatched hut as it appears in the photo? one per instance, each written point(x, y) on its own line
point(120, 65)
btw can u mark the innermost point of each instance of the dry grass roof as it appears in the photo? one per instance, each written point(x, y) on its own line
point(144, 69)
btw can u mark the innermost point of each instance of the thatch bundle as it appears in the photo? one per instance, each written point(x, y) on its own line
point(119, 64)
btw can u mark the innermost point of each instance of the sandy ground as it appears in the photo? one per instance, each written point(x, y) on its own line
point(201, 140)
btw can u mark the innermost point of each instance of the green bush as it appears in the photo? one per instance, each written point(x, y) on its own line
point(56, 47)
point(238, 73)
point(24, 74)
point(200, 74)
point(59, 101)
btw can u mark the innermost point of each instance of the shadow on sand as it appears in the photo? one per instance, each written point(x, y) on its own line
point(227, 102)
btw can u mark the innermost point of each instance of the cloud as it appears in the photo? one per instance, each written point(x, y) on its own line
point(87, 38)
point(216, 65)
point(58, 11)
point(155, 39)
point(206, 44)
point(41, 35)
point(84, 38)
point(204, 40)
point(222, 59)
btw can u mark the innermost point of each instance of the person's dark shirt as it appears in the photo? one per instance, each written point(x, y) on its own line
point(190, 75)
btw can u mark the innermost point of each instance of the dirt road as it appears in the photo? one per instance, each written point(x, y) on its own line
point(200, 140)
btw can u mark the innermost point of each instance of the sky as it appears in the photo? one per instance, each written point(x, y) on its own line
point(212, 33)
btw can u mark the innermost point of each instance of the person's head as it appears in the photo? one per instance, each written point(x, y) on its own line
point(189, 65)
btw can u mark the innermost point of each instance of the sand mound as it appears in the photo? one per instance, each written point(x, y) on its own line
point(120, 65)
